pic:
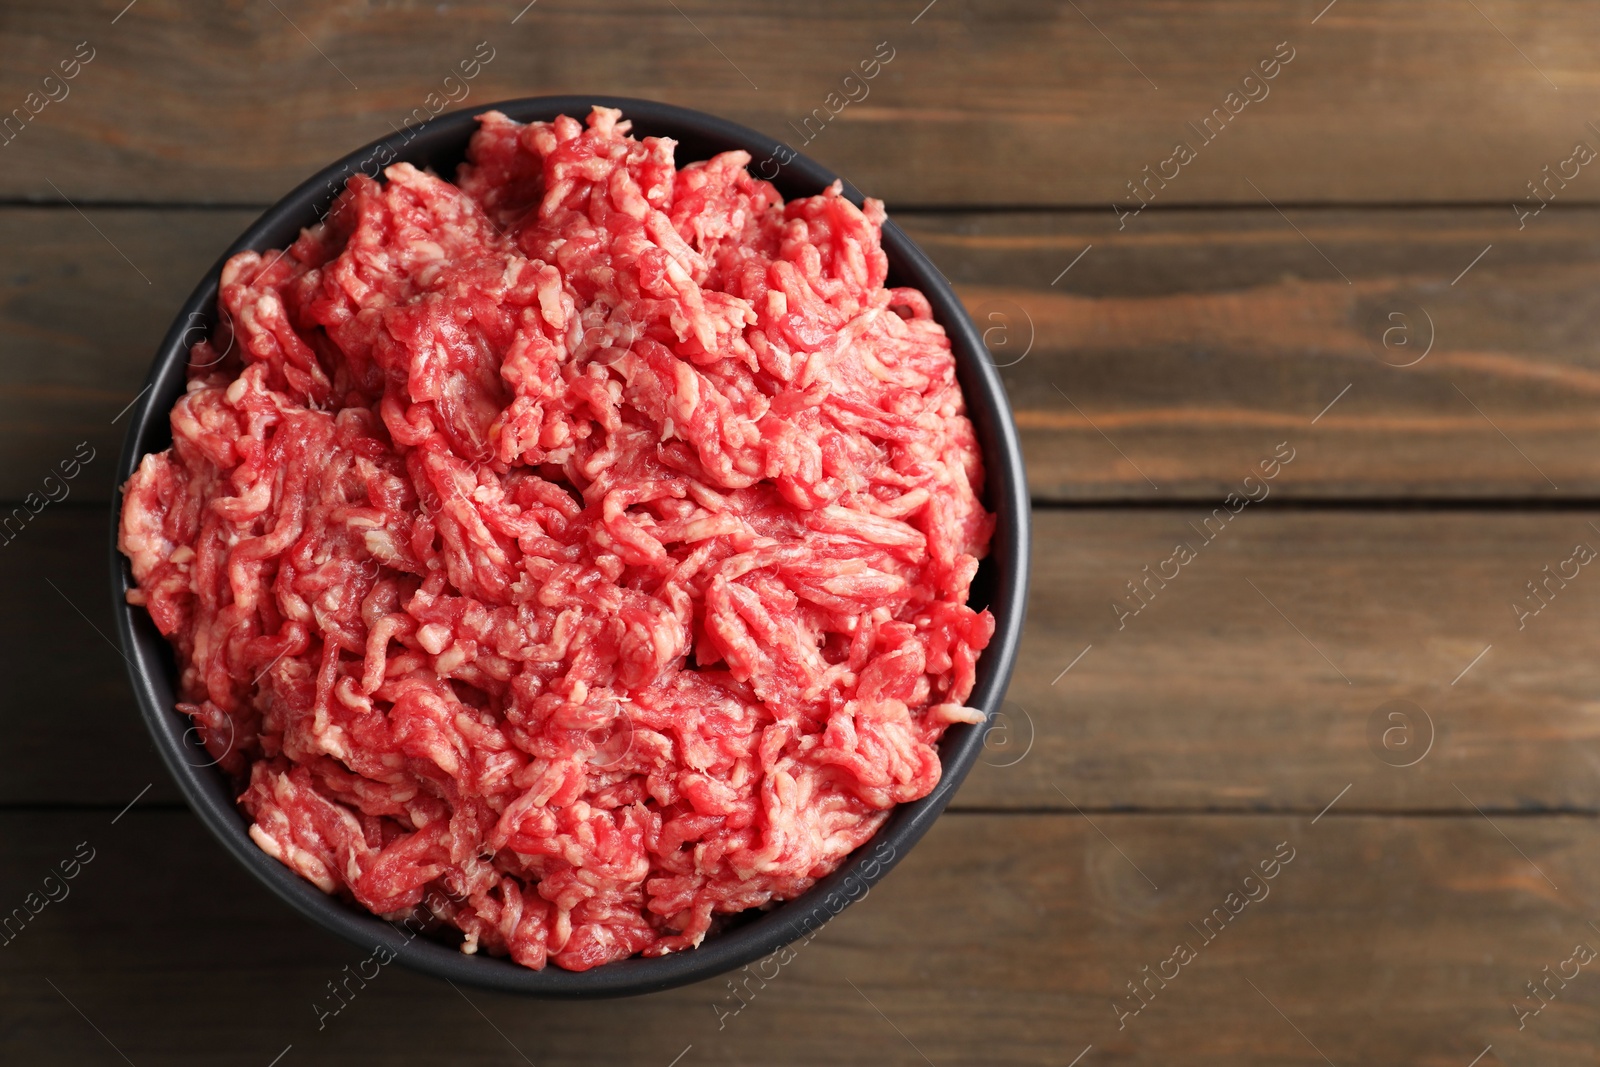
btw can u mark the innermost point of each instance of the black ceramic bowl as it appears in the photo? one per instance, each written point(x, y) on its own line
point(1001, 584)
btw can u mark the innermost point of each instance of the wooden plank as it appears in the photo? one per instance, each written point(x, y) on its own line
point(1166, 359)
point(1254, 678)
point(81, 313)
point(1047, 104)
point(1208, 698)
point(1001, 940)
point(73, 734)
point(1194, 342)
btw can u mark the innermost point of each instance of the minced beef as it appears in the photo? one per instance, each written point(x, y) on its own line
point(582, 547)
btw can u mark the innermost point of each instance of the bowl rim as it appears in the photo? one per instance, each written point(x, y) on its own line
point(439, 142)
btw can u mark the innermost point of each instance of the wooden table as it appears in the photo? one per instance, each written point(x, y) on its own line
point(1341, 675)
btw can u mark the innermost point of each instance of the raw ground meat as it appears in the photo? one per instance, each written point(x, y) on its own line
point(583, 547)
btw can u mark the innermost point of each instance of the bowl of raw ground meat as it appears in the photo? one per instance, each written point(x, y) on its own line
point(572, 546)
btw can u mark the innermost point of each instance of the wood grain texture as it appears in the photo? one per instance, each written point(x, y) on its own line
point(1191, 343)
point(67, 680)
point(999, 941)
point(1251, 680)
point(1045, 104)
point(1207, 699)
point(84, 302)
point(1169, 358)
